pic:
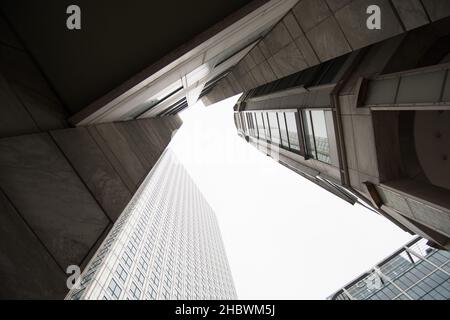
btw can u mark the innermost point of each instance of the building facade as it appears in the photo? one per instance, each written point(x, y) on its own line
point(316, 31)
point(370, 125)
point(85, 115)
point(415, 272)
point(165, 245)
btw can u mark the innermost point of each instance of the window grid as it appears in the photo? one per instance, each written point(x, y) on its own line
point(169, 248)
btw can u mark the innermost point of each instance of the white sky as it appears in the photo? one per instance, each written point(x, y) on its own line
point(285, 237)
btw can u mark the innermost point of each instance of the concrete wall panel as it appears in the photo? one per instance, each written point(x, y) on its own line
point(366, 154)
point(412, 13)
point(353, 17)
point(95, 169)
point(27, 269)
point(328, 40)
point(14, 118)
point(325, 29)
point(437, 9)
point(27, 103)
point(310, 13)
point(122, 150)
point(50, 196)
point(46, 112)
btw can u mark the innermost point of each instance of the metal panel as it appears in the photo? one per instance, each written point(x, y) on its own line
point(446, 92)
point(382, 91)
point(421, 88)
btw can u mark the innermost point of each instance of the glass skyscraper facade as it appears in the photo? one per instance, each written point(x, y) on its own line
point(165, 245)
point(415, 272)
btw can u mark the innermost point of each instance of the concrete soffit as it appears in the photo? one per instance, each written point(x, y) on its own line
point(269, 12)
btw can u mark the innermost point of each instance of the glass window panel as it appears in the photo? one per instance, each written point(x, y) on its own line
point(255, 130)
point(268, 132)
point(382, 296)
point(418, 272)
point(432, 281)
point(425, 285)
point(249, 125)
point(244, 123)
point(274, 130)
point(247, 130)
point(309, 136)
point(316, 135)
point(245, 118)
point(255, 123)
point(416, 293)
point(262, 132)
point(320, 135)
point(439, 276)
point(255, 126)
point(404, 282)
point(390, 291)
point(292, 130)
point(239, 121)
point(264, 115)
point(283, 130)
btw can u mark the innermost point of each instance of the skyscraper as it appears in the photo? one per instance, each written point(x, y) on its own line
point(165, 245)
point(414, 272)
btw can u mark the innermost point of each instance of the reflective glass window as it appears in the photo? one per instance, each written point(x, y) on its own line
point(292, 130)
point(283, 130)
point(316, 135)
point(309, 134)
point(264, 116)
point(320, 135)
point(262, 130)
point(255, 122)
point(274, 129)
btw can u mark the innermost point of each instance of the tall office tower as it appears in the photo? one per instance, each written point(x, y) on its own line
point(415, 272)
point(165, 245)
point(363, 113)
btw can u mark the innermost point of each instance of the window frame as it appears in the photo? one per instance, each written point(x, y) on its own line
point(259, 122)
point(288, 147)
point(267, 127)
point(255, 119)
point(270, 127)
point(299, 132)
point(307, 112)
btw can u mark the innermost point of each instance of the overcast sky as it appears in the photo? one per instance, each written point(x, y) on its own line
point(285, 237)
